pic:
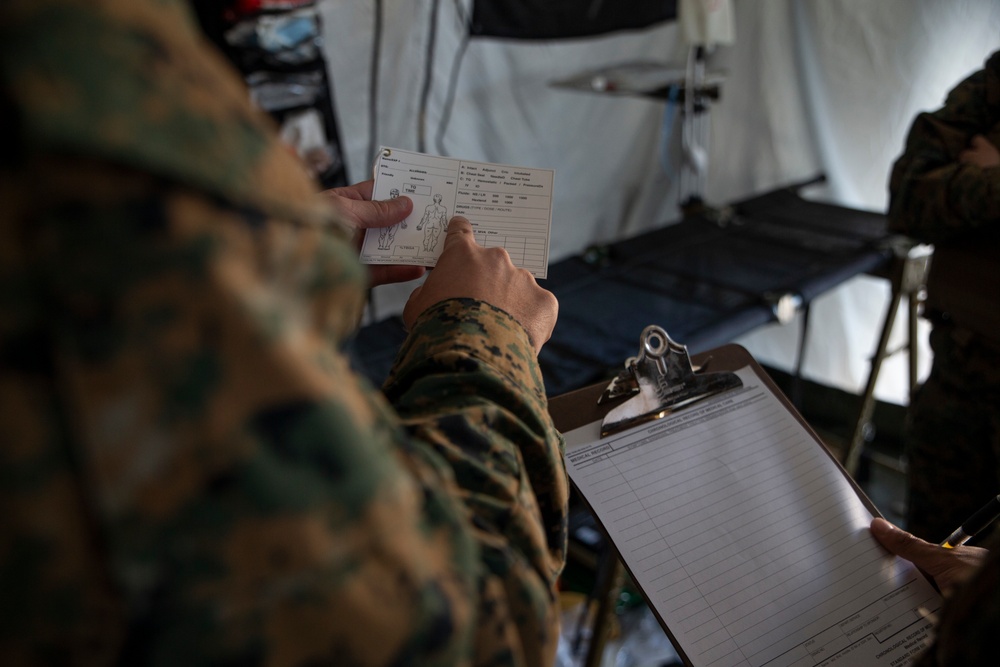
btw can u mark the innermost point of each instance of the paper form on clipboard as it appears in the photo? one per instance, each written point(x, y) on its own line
point(749, 542)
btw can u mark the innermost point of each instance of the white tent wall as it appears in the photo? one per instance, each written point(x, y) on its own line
point(810, 87)
point(867, 68)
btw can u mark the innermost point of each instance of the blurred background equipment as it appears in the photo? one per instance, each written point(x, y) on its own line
point(278, 47)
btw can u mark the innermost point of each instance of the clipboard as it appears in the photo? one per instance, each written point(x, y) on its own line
point(858, 622)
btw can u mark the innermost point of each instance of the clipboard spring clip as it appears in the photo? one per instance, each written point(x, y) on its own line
point(660, 380)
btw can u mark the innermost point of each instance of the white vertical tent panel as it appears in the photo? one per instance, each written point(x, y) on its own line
point(867, 68)
point(810, 87)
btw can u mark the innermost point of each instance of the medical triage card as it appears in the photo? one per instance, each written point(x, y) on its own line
point(507, 206)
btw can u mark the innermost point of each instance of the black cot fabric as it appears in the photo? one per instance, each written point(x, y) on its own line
point(705, 283)
point(557, 19)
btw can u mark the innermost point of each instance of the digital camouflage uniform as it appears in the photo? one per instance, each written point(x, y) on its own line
point(953, 432)
point(954, 422)
point(189, 472)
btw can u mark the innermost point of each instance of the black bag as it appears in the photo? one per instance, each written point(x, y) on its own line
point(554, 19)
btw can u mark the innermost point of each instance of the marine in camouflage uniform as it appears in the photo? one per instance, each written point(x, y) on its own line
point(969, 625)
point(953, 430)
point(189, 471)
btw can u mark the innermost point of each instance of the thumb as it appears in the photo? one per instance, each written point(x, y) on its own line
point(377, 213)
point(948, 567)
point(978, 141)
point(901, 542)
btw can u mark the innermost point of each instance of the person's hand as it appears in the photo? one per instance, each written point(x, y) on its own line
point(468, 270)
point(980, 153)
point(356, 208)
point(948, 567)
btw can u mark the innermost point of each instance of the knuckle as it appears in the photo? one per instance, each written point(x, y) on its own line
point(496, 258)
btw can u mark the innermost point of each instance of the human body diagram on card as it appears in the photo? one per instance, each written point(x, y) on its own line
point(510, 207)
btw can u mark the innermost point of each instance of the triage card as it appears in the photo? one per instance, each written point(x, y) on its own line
point(507, 206)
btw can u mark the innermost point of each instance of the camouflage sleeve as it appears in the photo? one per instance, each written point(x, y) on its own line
point(468, 389)
point(200, 479)
point(190, 472)
point(932, 196)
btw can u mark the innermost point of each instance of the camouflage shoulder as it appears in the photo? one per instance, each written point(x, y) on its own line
point(133, 82)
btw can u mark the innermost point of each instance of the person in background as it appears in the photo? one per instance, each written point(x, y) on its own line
point(945, 190)
point(969, 578)
point(189, 471)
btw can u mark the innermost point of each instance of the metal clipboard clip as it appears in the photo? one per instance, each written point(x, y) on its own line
point(661, 380)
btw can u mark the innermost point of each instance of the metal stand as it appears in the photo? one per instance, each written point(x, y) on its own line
point(908, 275)
point(610, 580)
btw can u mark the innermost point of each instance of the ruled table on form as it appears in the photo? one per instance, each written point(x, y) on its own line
point(509, 207)
point(747, 539)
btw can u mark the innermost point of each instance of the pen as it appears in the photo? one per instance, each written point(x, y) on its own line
point(975, 523)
